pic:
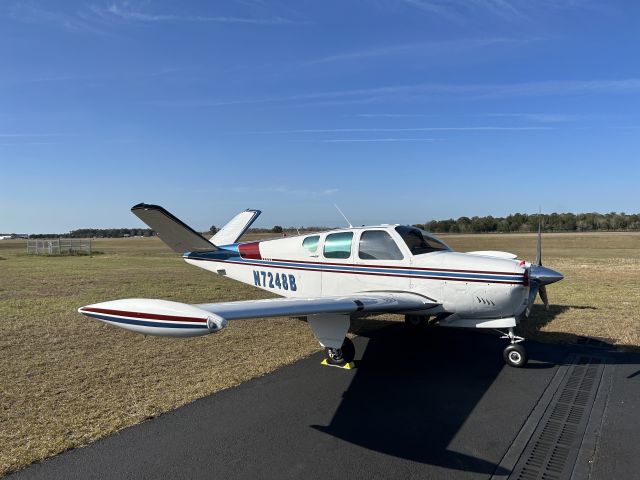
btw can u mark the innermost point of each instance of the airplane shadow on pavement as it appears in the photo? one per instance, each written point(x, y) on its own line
point(412, 393)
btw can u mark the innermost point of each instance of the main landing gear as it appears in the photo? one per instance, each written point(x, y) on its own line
point(331, 331)
point(514, 354)
point(416, 323)
point(340, 357)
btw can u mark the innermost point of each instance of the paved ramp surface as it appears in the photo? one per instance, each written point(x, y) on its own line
point(440, 405)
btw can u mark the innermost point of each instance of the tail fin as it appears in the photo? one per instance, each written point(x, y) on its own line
point(236, 227)
point(172, 231)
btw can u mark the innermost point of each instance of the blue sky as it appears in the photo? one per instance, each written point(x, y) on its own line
point(398, 111)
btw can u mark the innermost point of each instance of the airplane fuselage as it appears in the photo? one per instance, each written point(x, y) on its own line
point(489, 291)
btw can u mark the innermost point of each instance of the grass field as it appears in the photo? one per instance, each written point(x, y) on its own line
point(66, 380)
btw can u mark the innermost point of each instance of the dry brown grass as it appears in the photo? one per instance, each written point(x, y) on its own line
point(66, 380)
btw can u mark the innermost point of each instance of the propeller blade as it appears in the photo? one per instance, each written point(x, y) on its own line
point(543, 296)
point(533, 291)
point(539, 245)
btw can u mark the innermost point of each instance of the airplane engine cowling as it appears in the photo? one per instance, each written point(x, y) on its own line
point(156, 317)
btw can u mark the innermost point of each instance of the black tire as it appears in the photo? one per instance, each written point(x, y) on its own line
point(347, 353)
point(416, 323)
point(348, 350)
point(515, 355)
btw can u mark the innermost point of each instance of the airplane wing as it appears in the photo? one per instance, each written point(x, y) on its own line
point(163, 317)
point(375, 302)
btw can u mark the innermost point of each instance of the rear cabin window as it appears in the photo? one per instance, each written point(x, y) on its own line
point(420, 241)
point(311, 243)
point(378, 245)
point(338, 245)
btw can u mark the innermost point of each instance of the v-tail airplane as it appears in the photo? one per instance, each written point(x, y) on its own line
point(333, 276)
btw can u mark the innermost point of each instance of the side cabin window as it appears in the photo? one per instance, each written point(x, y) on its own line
point(419, 241)
point(311, 243)
point(338, 245)
point(378, 245)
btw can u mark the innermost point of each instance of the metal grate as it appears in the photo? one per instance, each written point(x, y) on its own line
point(551, 452)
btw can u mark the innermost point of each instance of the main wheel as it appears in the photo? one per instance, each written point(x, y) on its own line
point(515, 355)
point(416, 322)
point(341, 356)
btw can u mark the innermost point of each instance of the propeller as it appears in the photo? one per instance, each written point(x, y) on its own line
point(540, 277)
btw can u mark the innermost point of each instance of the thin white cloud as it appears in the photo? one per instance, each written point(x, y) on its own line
point(102, 19)
point(538, 117)
point(411, 129)
point(376, 140)
point(26, 144)
point(32, 135)
point(286, 190)
point(389, 115)
point(446, 47)
point(507, 10)
point(124, 12)
point(429, 90)
point(36, 14)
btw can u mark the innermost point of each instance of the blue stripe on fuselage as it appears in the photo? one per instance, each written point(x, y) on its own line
point(357, 269)
point(224, 252)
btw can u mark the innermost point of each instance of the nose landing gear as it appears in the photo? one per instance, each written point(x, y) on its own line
point(514, 354)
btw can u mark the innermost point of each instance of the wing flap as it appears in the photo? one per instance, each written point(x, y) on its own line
point(377, 302)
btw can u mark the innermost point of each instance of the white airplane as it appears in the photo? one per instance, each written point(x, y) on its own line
point(329, 277)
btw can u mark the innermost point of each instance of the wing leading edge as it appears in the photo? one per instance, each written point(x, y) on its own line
point(167, 318)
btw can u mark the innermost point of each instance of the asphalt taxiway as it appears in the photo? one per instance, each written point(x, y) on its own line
point(437, 405)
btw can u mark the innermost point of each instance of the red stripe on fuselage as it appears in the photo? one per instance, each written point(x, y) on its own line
point(250, 250)
point(148, 316)
point(396, 267)
point(426, 277)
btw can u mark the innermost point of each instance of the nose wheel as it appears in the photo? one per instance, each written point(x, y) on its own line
point(515, 355)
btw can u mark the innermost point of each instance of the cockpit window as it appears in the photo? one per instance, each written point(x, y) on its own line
point(338, 245)
point(311, 243)
point(378, 245)
point(419, 241)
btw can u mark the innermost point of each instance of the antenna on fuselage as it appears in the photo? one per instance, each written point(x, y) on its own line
point(345, 217)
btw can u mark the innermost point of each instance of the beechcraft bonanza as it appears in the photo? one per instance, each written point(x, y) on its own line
point(330, 277)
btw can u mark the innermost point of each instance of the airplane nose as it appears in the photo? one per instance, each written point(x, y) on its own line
point(544, 275)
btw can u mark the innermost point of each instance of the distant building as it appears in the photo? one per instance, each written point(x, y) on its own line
point(13, 235)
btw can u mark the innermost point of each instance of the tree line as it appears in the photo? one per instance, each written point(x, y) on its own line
point(522, 222)
point(99, 233)
point(518, 222)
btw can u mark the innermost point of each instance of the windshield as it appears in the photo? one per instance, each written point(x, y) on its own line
point(419, 241)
